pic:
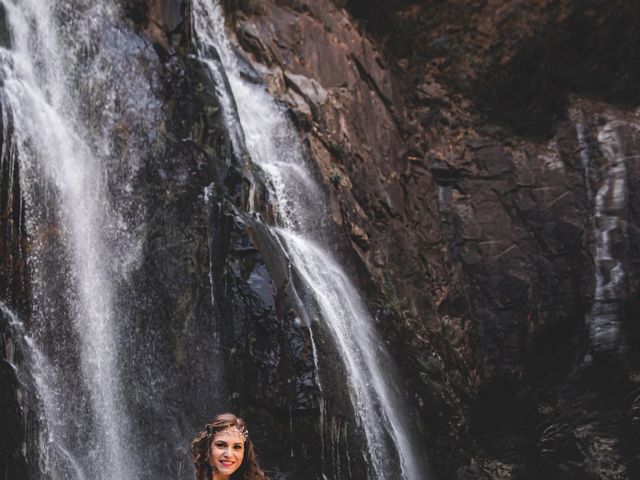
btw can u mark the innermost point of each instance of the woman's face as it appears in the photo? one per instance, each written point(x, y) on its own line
point(227, 451)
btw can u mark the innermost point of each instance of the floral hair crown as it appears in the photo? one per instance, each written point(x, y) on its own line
point(211, 431)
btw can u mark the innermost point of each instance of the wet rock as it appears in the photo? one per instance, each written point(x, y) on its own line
point(557, 444)
point(472, 472)
point(634, 414)
point(5, 33)
point(359, 236)
point(136, 10)
point(12, 437)
point(310, 89)
point(15, 294)
point(165, 13)
point(162, 20)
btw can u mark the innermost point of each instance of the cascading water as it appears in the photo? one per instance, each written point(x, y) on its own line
point(58, 78)
point(585, 159)
point(610, 250)
point(275, 148)
point(35, 373)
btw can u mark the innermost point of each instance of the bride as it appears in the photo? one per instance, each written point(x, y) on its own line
point(223, 451)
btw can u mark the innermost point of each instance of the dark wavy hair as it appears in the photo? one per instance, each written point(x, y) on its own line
point(201, 450)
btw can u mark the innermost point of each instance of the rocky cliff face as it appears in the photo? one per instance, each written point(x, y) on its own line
point(465, 147)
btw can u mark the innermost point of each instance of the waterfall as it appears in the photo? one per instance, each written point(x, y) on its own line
point(59, 89)
point(585, 159)
point(35, 375)
point(275, 148)
point(611, 248)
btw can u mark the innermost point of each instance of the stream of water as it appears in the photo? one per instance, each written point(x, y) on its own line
point(610, 218)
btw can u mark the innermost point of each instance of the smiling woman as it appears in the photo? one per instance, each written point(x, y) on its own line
point(224, 451)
